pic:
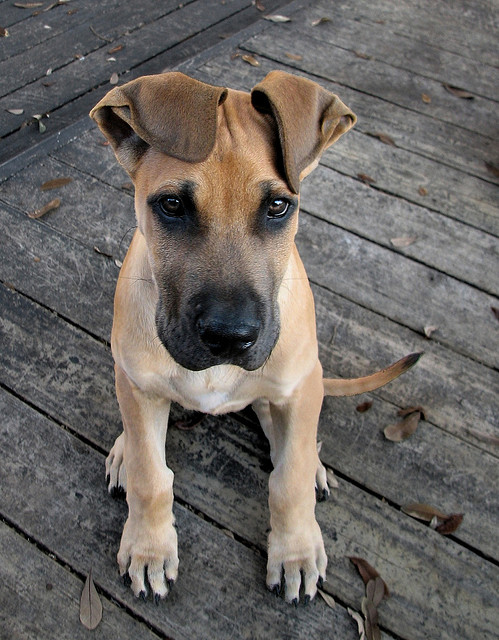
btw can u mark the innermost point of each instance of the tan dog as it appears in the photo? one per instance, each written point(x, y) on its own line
point(213, 308)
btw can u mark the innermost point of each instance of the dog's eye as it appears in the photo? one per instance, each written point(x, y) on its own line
point(278, 208)
point(171, 205)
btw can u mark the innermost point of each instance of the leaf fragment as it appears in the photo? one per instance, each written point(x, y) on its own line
point(402, 430)
point(412, 409)
point(328, 599)
point(293, 56)
point(423, 191)
point(375, 590)
point(450, 524)
point(115, 49)
point(364, 406)
point(15, 112)
point(365, 178)
point(371, 620)
point(319, 21)
point(491, 168)
point(403, 241)
point(458, 92)
point(50, 206)
point(484, 437)
point(114, 78)
point(423, 511)
point(368, 572)
point(259, 5)
point(429, 329)
point(495, 311)
point(28, 5)
point(57, 183)
point(277, 18)
point(384, 138)
point(425, 98)
point(362, 55)
point(4, 33)
point(90, 604)
point(250, 60)
point(360, 623)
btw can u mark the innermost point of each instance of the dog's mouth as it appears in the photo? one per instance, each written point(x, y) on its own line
point(213, 330)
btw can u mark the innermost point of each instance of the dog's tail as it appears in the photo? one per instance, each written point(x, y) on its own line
point(354, 386)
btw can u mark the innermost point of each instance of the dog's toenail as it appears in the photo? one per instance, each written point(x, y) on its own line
point(143, 595)
point(306, 599)
point(295, 602)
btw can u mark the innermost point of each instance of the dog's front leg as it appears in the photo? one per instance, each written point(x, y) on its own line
point(295, 541)
point(149, 541)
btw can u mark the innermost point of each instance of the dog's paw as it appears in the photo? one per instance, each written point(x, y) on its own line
point(149, 555)
point(296, 558)
point(116, 469)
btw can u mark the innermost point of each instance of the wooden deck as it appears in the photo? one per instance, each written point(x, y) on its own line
point(422, 163)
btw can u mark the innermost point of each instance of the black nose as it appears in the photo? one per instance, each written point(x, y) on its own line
point(226, 333)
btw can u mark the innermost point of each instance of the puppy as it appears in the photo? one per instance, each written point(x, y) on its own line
point(213, 308)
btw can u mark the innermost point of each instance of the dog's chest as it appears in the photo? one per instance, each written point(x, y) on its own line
point(215, 391)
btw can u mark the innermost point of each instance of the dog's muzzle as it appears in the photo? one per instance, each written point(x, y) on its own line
point(219, 329)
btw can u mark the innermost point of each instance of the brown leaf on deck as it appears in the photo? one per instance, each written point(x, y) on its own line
point(328, 599)
point(423, 191)
point(57, 183)
point(4, 33)
point(384, 138)
point(484, 437)
point(404, 429)
point(375, 590)
point(368, 572)
point(459, 93)
point(407, 410)
point(491, 168)
point(259, 5)
point(495, 311)
point(371, 619)
point(115, 49)
point(450, 524)
point(364, 406)
point(90, 604)
point(360, 622)
point(365, 178)
point(293, 56)
point(423, 511)
point(425, 98)
point(362, 55)
point(250, 60)
point(50, 206)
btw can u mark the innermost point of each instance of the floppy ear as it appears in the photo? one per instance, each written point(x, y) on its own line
point(170, 112)
point(309, 119)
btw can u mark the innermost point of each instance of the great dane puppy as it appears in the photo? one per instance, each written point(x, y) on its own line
point(213, 308)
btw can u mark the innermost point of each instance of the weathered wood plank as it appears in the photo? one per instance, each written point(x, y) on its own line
point(417, 179)
point(40, 599)
point(221, 587)
point(380, 217)
point(96, 68)
point(468, 29)
point(378, 43)
point(391, 84)
point(410, 130)
point(108, 24)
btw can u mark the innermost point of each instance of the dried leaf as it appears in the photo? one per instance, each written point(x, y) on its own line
point(371, 615)
point(360, 623)
point(364, 406)
point(331, 479)
point(484, 437)
point(368, 572)
point(4, 33)
point(362, 55)
point(451, 523)
point(28, 5)
point(277, 18)
point(429, 329)
point(407, 410)
point(384, 138)
point(50, 206)
point(375, 590)
point(403, 241)
point(402, 430)
point(425, 98)
point(57, 183)
point(90, 604)
point(15, 112)
point(423, 191)
point(259, 5)
point(118, 263)
point(293, 56)
point(365, 178)
point(319, 21)
point(329, 600)
point(491, 168)
point(115, 49)
point(250, 60)
point(423, 511)
point(495, 311)
point(459, 93)
point(114, 78)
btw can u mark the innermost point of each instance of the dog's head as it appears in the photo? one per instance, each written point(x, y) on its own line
point(217, 175)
